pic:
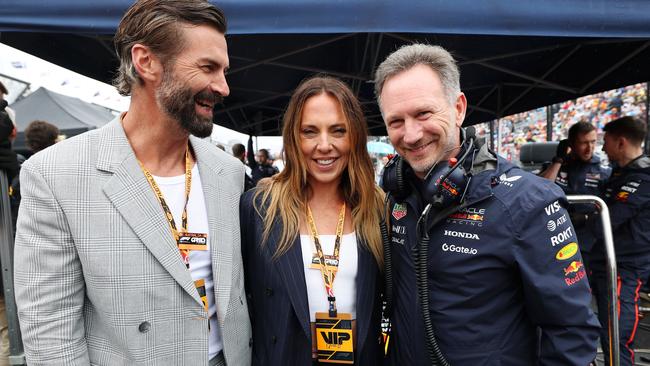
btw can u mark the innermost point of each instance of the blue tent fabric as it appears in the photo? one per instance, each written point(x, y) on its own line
point(571, 18)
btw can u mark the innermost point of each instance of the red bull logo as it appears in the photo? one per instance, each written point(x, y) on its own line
point(475, 217)
point(573, 267)
point(570, 281)
point(464, 216)
point(449, 188)
point(622, 196)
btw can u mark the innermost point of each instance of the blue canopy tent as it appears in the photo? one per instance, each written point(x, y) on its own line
point(574, 18)
point(514, 55)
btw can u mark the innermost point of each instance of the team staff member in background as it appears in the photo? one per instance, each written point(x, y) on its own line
point(324, 196)
point(494, 270)
point(627, 195)
point(577, 170)
point(128, 236)
point(259, 163)
point(239, 151)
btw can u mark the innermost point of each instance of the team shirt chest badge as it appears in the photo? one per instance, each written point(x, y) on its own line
point(399, 211)
point(592, 180)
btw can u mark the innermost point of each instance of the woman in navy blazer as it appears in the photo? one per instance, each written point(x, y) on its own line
point(329, 175)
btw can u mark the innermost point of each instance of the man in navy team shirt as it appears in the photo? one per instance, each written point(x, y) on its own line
point(578, 171)
point(502, 253)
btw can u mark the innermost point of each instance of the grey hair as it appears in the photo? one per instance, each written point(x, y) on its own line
point(408, 56)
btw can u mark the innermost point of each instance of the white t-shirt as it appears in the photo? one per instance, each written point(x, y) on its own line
point(173, 190)
point(345, 285)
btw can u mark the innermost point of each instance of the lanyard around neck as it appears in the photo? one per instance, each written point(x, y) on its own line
point(161, 199)
point(328, 273)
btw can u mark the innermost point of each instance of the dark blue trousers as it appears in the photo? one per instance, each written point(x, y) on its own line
point(629, 282)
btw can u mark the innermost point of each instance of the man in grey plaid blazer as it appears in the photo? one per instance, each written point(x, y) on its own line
point(99, 277)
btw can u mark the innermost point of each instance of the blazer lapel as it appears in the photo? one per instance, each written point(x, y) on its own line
point(133, 197)
point(291, 269)
point(366, 282)
point(220, 203)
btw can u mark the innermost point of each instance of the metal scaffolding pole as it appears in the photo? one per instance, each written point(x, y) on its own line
point(612, 303)
point(16, 352)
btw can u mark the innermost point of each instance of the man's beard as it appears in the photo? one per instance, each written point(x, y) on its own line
point(177, 100)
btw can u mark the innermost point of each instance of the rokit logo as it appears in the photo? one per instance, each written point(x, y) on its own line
point(460, 234)
point(552, 208)
point(562, 237)
point(627, 188)
point(507, 181)
point(551, 225)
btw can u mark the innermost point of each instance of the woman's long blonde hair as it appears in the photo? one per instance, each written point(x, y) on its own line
point(284, 197)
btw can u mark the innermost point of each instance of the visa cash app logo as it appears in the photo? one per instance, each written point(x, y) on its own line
point(552, 208)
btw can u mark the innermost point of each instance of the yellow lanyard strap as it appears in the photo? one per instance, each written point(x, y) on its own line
point(165, 207)
point(328, 274)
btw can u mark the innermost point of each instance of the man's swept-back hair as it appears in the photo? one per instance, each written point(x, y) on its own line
point(579, 128)
point(408, 56)
point(284, 196)
point(632, 128)
point(157, 25)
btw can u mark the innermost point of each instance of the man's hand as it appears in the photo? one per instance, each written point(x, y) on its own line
point(562, 151)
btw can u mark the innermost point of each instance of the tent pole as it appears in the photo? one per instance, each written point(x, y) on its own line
point(647, 116)
point(549, 124)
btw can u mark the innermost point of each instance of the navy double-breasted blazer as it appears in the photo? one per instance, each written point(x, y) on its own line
point(277, 297)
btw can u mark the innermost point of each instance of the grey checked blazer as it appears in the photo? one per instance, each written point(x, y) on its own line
point(99, 279)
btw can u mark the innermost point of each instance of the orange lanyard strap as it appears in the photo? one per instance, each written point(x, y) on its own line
point(165, 207)
point(328, 274)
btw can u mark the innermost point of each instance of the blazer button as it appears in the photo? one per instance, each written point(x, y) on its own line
point(269, 291)
point(144, 327)
point(274, 339)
